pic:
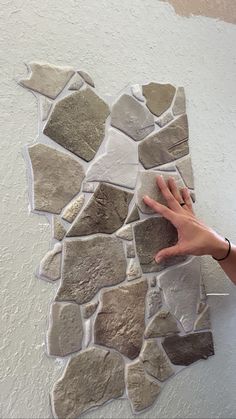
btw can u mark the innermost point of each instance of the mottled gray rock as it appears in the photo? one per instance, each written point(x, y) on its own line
point(142, 389)
point(90, 264)
point(186, 171)
point(203, 320)
point(152, 235)
point(130, 250)
point(89, 309)
point(65, 332)
point(133, 215)
point(179, 106)
point(91, 378)
point(155, 361)
point(165, 119)
point(50, 265)
point(88, 187)
point(47, 79)
point(105, 212)
point(133, 270)
point(73, 208)
point(137, 92)
point(56, 178)
point(131, 117)
point(184, 350)
point(77, 123)
point(125, 233)
point(159, 97)
point(119, 164)
point(121, 321)
point(45, 106)
point(162, 324)
point(154, 302)
point(153, 281)
point(166, 145)
point(181, 292)
point(87, 78)
point(77, 83)
point(58, 229)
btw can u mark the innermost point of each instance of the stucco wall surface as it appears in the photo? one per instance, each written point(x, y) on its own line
point(116, 42)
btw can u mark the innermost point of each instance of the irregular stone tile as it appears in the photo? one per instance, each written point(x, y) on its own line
point(166, 145)
point(91, 378)
point(125, 233)
point(142, 390)
point(133, 270)
point(165, 119)
point(47, 79)
point(152, 235)
point(154, 302)
point(58, 229)
point(134, 119)
point(104, 213)
point(77, 123)
point(155, 361)
point(77, 83)
point(120, 322)
point(159, 97)
point(162, 324)
point(181, 291)
point(203, 321)
point(130, 250)
point(89, 309)
point(89, 265)
point(179, 106)
point(147, 185)
point(153, 281)
point(137, 92)
point(87, 78)
point(56, 178)
point(186, 171)
point(45, 107)
point(133, 216)
point(50, 265)
point(65, 332)
point(184, 350)
point(119, 164)
point(88, 187)
point(73, 208)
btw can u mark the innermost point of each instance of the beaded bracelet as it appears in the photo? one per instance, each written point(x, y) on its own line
point(228, 252)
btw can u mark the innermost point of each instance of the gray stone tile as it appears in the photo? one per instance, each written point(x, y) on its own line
point(125, 233)
point(155, 361)
point(137, 92)
point(105, 212)
point(166, 145)
point(154, 302)
point(130, 250)
point(121, 321)
point(45, 106)
point(133, 270)
point(47, 79)
point(153, 282)
point(165, 119)
point(162, 324)
point(131, 117)
point(159, 97)
point(89, 309)
point(50, 265)
point(65, 332)
point(56, 178)
point(203, 321)
point(58, 229)
point(91, 378)
point(179, 106)
point(73, 208)
point(133, 215)
point(77, 83)
point(77, 123)
point(89, 265)
point(186, 171)
point(87, 78)
point(184, 350)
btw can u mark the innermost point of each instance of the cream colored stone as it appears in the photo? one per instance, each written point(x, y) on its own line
point(155, 361)
point(162, 324)
point(50, 265)
point(58, 229)
point(73, 208)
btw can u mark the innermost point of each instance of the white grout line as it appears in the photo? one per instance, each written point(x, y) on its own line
point(217, 294)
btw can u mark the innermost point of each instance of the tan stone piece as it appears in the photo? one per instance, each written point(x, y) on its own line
point(158, 97)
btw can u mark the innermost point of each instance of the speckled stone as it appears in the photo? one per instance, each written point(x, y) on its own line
point(152, 235)
point(185, 169)
point(88, 187)
point(120, 322)
point(87, 78)
point(89, 309)
point(184, 350)
point(45, 106)
point(65, 332)
point(90, 264)
point(153, 281)
point(58, 229)
point(131, 117)
point(47, 79)
point(133, 270)
point(125, 233)
point(159, 97)
point(162, 324)
point(91, 378)
point(155, 361)
point(154, 302)
point(76, 83)
point(130, 250)
point(142, 389)
point(166, 145)
point(56, 178)
point(77, 123)
point(137, 92)
point(179, 106)
point(73, 208)
point(165, 119)
point(203, 320)
point(50, 265)
point(133, 215)
point(105, 212)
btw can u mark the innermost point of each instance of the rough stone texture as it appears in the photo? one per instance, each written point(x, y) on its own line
point(125, 233)
point(153, 281)
point(133, 215)
point(166, 145)
point(147, 185)
point(154, 301)
point(58, 229)
point(88, 187)
point(159, 97)
point(90, 264)
point(181, 291)
point(137, 92)
point(162, 324)
point(87, 78)
point(203, 321)
point(50, 265)
point(119, 164)
point(77, 83)
point(105, 212)
point(47, 79)
point(77, 123)
point(130, 250)
point(184, 350)
point(89, 309)
point(56, 178)
point(179, 106)
point(133, 270)
point(165, 119)
point(155, 361)
point(121, 321)
point(142, 390)
point(186, 171)
point(91, 378)
point(65, 332)
point(152, 235)
point(73, 208)
point(131, 117)
point(45, 106)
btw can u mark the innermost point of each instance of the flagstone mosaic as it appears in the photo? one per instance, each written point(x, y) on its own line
point(125, 323)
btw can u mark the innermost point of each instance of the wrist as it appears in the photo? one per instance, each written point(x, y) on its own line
point(220, 247)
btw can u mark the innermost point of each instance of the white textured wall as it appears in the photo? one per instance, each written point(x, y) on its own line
point(117, 41)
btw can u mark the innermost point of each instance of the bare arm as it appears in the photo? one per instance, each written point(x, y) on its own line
point(194, 237)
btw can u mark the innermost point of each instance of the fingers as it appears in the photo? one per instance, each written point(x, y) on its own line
point(187, 198)
point(174, 189)
point(160, 209)
point(167, 253)
point(168, 195)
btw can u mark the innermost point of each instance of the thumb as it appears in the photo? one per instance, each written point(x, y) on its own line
point(167, 253)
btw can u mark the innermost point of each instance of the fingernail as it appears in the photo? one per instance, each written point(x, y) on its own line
point(158, 259)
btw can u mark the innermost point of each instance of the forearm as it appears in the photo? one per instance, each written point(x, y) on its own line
point(229, 264)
